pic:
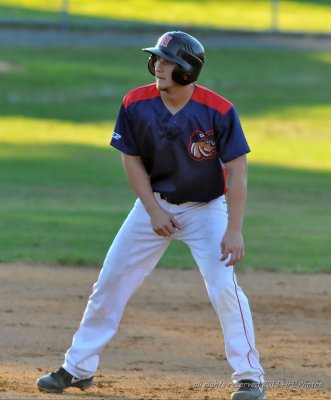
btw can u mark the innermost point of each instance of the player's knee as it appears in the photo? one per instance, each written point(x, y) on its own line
point(223, 295)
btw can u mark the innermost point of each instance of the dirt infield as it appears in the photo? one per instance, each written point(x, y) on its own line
point(169, 345)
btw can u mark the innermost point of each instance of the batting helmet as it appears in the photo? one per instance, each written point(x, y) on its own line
point(182, 49)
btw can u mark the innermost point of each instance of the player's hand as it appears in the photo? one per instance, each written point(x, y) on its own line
point(232, 244)
point(163, 223)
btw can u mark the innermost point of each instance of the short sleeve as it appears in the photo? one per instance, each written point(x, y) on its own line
point(123, 136)
point(230, 139)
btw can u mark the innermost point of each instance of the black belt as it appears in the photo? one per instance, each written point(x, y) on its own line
point(170, 200)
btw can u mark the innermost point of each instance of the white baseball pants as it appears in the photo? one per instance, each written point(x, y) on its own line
point(133, 255)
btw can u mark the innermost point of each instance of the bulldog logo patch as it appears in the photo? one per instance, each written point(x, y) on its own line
point(202, 145)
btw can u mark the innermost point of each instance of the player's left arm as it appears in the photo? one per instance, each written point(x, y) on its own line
point(232, 241)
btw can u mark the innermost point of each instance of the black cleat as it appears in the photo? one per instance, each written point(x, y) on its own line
point(249, 390)
point(56, 382)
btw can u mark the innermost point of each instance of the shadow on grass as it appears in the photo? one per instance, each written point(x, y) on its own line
point(68, 208)
point(87, 84)
point(320, 2)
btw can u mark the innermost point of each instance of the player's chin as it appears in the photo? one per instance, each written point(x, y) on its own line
point(161, 84)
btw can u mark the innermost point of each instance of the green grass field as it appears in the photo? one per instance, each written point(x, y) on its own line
point(294, 15)
point(63, 194)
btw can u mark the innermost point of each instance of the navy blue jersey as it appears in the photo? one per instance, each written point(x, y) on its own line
point(183, 153)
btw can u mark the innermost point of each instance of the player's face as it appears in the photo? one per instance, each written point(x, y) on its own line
point(163, 74)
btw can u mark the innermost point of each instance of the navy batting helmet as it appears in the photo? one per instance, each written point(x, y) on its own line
point(182, 49)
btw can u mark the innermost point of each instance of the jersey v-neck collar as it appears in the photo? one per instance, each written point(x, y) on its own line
point(182, 108)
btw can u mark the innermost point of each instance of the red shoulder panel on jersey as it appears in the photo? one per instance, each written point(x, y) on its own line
point(211, 99)
point(142, 93)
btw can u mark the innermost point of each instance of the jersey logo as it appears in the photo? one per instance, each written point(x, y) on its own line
point(165, 41)
point(116, 136)
point(202, 145)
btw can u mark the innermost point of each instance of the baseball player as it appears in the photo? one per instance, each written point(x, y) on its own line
point(183, 149)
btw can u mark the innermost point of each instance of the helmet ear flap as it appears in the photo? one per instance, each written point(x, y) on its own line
point(151, 64)
point(181, 77)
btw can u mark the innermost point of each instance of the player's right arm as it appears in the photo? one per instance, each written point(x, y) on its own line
point(163, 223)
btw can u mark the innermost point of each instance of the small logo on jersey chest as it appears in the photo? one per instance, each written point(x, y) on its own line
point(202, 145)
point(165, 41)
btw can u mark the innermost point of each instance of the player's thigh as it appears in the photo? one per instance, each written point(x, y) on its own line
point(204, 232)
point(136, 244)
point(204, 227)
